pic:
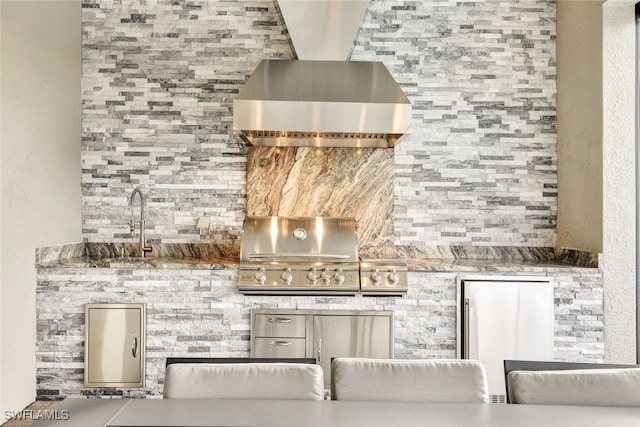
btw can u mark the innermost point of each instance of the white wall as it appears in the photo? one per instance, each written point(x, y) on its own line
point(1, 300)
point(619, 109)
point(579, 144)
point(39, 169)
point(596, 152)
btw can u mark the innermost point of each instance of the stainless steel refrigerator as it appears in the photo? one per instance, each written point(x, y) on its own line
point(504, 317)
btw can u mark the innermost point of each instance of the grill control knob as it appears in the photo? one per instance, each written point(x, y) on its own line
point(393, 277)
point(338, 277)
point(375, 277)
point(325, 277)
point(286, 276)
point(260, 277)
point(312, 277)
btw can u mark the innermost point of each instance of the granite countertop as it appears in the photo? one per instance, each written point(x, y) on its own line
point(498, 266)
point(223, 256)
point(123, 256)
point(209, 263)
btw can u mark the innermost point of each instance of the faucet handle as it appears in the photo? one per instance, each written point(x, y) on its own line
point(144, 250)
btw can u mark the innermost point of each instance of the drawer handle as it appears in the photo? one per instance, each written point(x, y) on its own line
point(280, 320)
point(280, 343)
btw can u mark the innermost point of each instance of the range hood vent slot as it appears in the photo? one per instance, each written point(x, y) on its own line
point(319, 139)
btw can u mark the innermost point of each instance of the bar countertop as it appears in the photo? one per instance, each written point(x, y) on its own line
point(203, 256)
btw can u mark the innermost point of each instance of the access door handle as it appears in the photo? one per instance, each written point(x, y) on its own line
point(134, 345)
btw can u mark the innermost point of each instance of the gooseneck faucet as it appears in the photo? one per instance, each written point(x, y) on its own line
point(132, 226)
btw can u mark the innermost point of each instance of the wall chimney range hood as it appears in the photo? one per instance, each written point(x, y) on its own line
point(321, 100)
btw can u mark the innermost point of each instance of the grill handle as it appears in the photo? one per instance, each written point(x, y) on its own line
point(297, 255)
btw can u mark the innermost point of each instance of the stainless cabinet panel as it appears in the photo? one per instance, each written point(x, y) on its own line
point(280, 347)
point(279, 325)
point(322, 334)
point(114, 345)
point(351, 336)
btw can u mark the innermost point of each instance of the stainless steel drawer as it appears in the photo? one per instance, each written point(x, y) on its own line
point(277, 325)
point(279, 347)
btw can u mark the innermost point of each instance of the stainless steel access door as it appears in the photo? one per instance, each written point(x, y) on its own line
point(114, 345)
point(505, 318)
point(351, 336)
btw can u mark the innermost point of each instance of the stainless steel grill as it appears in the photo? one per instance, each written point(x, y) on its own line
point(312, 255)
point(299, 255)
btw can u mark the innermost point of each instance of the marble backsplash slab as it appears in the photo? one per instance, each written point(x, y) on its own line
point(357, 183)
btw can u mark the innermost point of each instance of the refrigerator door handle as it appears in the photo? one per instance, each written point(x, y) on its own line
point(465, 327)
point(319, 357)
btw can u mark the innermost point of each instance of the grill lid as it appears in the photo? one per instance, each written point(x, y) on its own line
point(295, 239)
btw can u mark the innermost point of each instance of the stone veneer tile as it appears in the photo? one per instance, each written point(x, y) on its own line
point(158, 80)
point(200, 313)
point(478, 168)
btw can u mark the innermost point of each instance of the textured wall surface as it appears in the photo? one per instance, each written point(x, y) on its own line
point(200, 313)
point(619, 216)
point(479, 167)
point(39, 169)
point(580, 125)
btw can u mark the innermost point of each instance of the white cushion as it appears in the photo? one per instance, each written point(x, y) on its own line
point(409, 380)
point(593, 387)
point(244, 381)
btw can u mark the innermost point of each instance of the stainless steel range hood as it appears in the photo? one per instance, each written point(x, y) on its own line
point(320, 101)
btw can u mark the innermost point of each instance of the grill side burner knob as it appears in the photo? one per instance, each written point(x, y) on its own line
point(393, 277)
point(260, 277)
point(286, 276)
point(325, 277)
point(312, 277)
point(375, 277)
point(338, 277)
